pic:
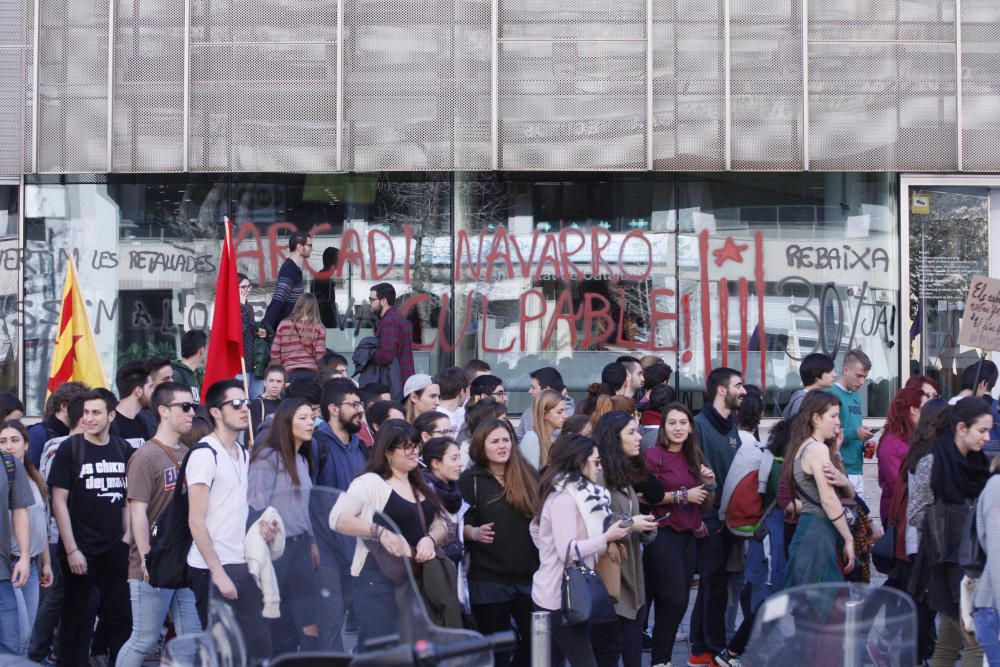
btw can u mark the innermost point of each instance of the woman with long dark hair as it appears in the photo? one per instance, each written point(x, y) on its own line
point(904, 413)
point(279, 477)
point(501, 489)
point(14, 441)
point(391, 486)
point(618, 441)
point(823, 547)
point(300, 341)
point(945, 483)
point(442, 468)
point(573, 516)
point(678, 464)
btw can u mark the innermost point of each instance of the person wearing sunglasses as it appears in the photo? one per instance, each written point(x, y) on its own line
point(152, 475)
point(217, 482)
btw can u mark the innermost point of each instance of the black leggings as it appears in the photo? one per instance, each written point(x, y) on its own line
point(497, 617)
point(669, 568)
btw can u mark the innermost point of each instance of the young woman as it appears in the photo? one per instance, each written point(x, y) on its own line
point(14, 441)
point(252, 332)
point(391, 485)
point(577, 424)
point(501, 489)
point(618, 441)
point(549, 412)
point(904, 413)
point(947, 479)
point(420, 394)
point(486, 409)
point(442, 468)
point(823, 547)
point(433, 424)
point(264, 405)
point(986, 601)
point(604, 404)
point(279, 478)
point(669, 562)
point(660, 397)
point(571, 515)
point(300, 341)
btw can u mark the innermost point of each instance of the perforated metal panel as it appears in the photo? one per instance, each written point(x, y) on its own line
point(263, 107)
point(263, 21)
point(572, 105)
point(980, 85)
point(416, 81)
point(766, 84)
point(148, 89)
point(882, 20)
point(15, 86)
point(73, 86)
point(580, 20)
point(689, 102)
point(882, 107)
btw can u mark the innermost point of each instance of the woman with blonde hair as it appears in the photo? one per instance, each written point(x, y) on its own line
point(605, 404)
point(300, 341)
point(548, 410)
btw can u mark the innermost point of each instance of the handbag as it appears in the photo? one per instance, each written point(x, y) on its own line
point(609, 567)
point(584, 596)
point(884, 550)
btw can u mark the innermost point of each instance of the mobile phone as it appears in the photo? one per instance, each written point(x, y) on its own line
point(662, 521)
point(627, 521)
point(875, 429)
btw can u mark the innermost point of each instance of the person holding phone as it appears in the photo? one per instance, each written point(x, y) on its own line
point(669, 562)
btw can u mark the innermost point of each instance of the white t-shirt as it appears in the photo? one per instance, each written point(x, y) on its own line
point(457, 417)
point(228, 509)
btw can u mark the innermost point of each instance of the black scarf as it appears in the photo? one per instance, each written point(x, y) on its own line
point(956, 478)
point(448, 492)
point(720, 423)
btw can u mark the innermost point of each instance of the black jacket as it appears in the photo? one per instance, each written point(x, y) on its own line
point(512, 558)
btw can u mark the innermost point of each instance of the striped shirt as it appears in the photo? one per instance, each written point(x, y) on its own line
point(296, 347)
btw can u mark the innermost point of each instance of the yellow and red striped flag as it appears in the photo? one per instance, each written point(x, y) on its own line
point(75, 356)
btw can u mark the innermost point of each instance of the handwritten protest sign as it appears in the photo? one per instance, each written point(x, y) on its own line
point(981, 321)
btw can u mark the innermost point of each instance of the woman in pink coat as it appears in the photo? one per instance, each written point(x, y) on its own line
point(903, 415)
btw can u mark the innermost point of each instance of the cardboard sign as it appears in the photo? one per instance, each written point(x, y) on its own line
point(981, 320)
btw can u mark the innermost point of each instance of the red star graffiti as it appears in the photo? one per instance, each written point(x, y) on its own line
point(730, 251)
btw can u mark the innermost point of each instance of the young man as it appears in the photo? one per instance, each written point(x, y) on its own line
point(454, 385)
point(55, 423)
point(339, 458)
point(817, 372)
point(88, 500)
point(290, 284)
point(542, 379)
point(14, 529)
point(634, 378)
point(135, 386)
point(160, 371)
point(852, 378)
point(216, 478)
point(395, 335)
point(719, 438)
point(194, 348)
point(152, 477)
point(476, 367)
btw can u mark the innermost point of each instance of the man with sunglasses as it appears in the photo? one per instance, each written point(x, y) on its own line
point(216, 478)
point(152, 476)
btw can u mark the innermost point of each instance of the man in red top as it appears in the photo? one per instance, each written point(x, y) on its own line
point(395, 335)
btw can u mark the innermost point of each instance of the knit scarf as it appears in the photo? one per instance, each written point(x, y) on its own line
point(593, 501)
point(448, 492)
point(956, 478)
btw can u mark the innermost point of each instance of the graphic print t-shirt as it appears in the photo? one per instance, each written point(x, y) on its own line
point(152, 476)
point(96, 492)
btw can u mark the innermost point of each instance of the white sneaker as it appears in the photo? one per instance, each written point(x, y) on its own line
point(681, 636)
point(664, 664)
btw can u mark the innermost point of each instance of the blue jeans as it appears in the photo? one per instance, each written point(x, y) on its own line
point(9, 628)
point(149, 611)
point(987, 630)
point(27, 608)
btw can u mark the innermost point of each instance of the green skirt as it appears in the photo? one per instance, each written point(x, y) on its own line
point(814, 554)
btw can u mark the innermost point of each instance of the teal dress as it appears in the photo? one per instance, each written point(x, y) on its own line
point(814, 554)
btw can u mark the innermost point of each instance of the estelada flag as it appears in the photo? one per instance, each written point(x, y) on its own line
point(75, 356)
point(225, 343)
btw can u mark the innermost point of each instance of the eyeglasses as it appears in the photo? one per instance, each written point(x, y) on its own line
point(931, 395)
point(443, 432)
point(237, 403)
point(411, 447)
point(245, 287)
point(499, 393)
point(186, 406)
point(357, 405)
point(373, 299)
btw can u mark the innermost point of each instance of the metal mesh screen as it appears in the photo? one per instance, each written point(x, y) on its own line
point(882, 20)
point(73, 86)
point(416, 85)
point(882, 106)
point(269, 21)
point(766, 84)
point(980, 85)
point(148, 118)
point(689, 103)
point(15, 84)
point(581, 20)
point(263, 107)
point(572, 105)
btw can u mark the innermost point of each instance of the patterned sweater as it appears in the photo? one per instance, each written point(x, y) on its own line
point(295, 348)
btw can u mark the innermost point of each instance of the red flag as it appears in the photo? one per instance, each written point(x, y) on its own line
point(225, 344)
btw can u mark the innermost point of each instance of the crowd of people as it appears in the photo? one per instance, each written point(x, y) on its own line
point(628, 481)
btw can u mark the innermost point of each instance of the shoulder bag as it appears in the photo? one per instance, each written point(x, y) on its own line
point(585, 599)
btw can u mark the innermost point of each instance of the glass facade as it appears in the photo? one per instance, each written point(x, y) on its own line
point(522, 270)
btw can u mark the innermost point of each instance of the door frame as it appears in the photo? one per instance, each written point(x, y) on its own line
point(906, 181)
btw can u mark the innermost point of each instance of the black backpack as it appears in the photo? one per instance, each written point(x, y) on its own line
point(170, 539)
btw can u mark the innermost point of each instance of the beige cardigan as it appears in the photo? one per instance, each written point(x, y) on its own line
point(367, 494)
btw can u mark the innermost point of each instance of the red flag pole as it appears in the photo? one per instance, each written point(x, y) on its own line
point(243, 362)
